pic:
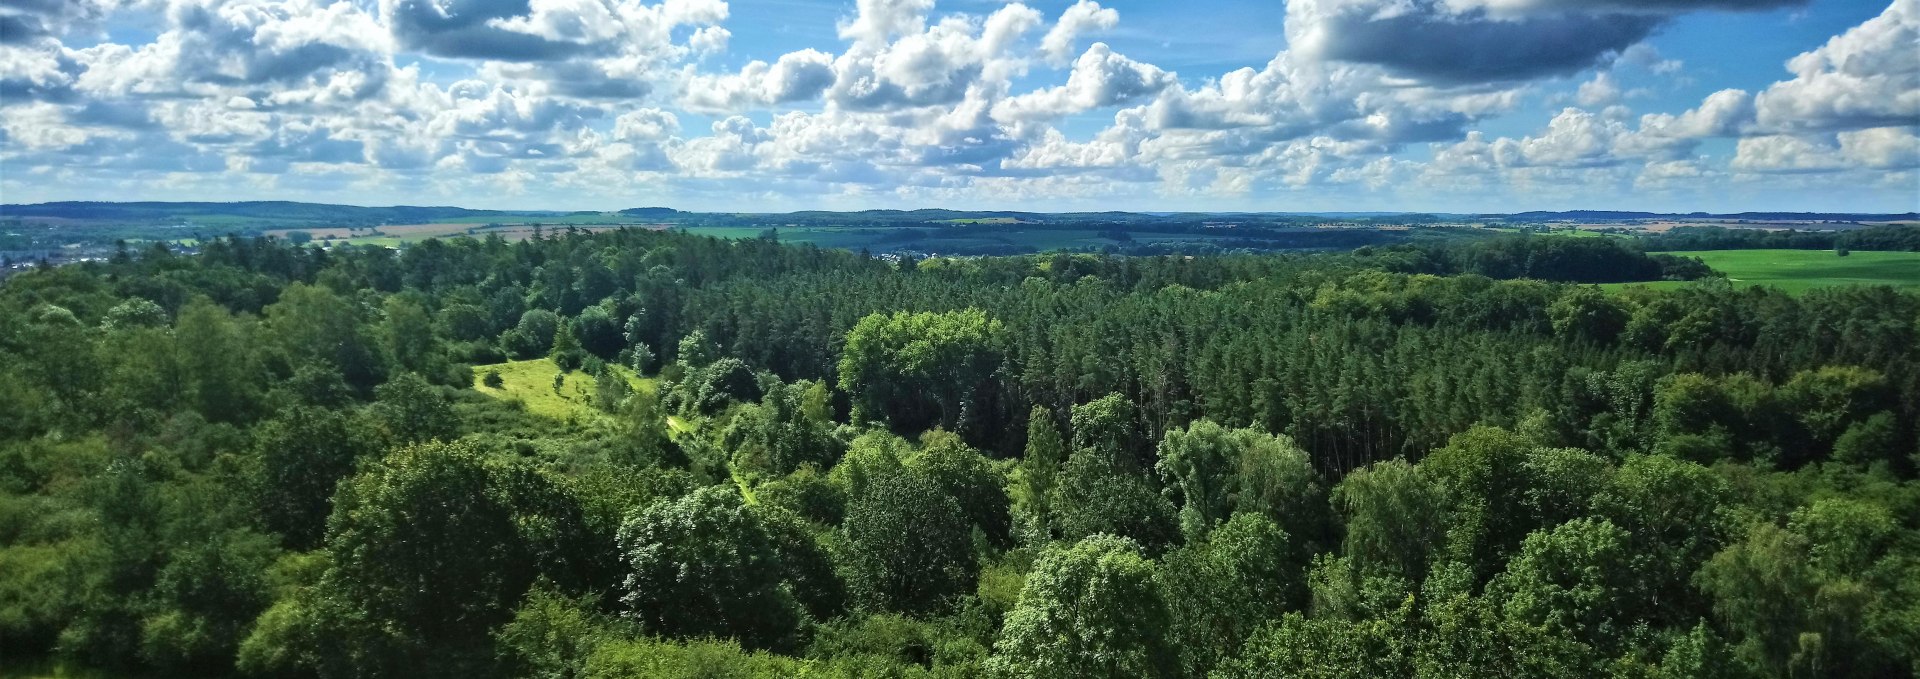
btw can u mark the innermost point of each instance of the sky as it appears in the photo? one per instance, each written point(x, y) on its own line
point(1049, 105)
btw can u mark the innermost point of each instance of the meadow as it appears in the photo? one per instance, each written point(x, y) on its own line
point(530, 383)
point(1802, 270)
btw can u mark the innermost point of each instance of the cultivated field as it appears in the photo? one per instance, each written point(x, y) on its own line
point(1801, 270)
point(396, 234)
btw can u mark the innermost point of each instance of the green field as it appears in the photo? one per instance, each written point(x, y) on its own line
point(531, 382)
point(1802, 270)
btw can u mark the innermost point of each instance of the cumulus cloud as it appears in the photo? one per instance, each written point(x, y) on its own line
point(1522, 7)
point(1866, 77)
point(796, 76)
point(1602, 90)
point(1436, 40)
point(934, 67)
point(1101, 77)
point(1722, 114)
point(876, 21)
point(1085, 16)
point(1882, 148)
point(24, 20)
point(915, 102)
point(1463, 41)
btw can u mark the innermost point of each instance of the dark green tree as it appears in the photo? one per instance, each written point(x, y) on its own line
point(704, 566)
point(1093, 609)
point(908, 544)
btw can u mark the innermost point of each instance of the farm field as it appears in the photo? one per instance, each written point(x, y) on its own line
point(397, 234)
point(879, 239)
point(1802, 270)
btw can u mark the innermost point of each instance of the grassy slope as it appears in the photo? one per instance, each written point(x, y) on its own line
point(1802, 270)
point(532, 383)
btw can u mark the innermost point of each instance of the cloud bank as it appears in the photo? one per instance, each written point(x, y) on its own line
point(609, 102)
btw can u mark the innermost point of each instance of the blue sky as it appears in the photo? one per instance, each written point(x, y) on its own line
point(1441, 105)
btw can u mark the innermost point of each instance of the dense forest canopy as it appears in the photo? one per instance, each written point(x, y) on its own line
point(1408, 460)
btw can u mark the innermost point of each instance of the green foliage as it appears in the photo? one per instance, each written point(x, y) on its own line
point(806, 493)
point(596, 331)
point(314, 324)
point(1829, 594)
point(566, 352)
point(409, 338)
point(704, 566)
point(1040, 470)
point(1323, 649)
point(552, 635)
point(1876, 439)
point(534, 335)
point(1093, 609)
point(1216, 472)
point(908, 544)
point(1092, 498)
point(1105, 429)
point(1395, 518)
point(966, 476)
point(694, 660)
point(413, 411)
point(1571, 580)
point(217, 355)
point(134, 313)
point(893, 645)
point(919, 370)
point(195, 474)
point(610, 389)
point(303, 453)
point(782, 432)
point(1827, 400)
point(1245, 574)
point(1671, 511)
point(431, 548)
point(808, 569)
point(1588, 314)
point(711, 388)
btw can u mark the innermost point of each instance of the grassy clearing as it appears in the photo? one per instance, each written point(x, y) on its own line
point(1802, 270)
point(531, 383)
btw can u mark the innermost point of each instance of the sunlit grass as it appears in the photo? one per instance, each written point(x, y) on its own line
point(1802, 270)
point(531, 382)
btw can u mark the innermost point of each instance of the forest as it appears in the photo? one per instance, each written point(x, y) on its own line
point(1407, 460)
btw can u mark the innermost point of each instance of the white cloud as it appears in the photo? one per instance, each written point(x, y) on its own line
point(876, 21)
point(1100, 78)
point(1866, 77)
point(1883, 148)
point(796, 76)
point(1085, 16)
point(1722, 114)
point(1602, 90)
point(587, 98)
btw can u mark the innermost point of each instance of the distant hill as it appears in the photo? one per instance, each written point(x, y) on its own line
point(1616, 216)
point(320, 213)
point(281, 210)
